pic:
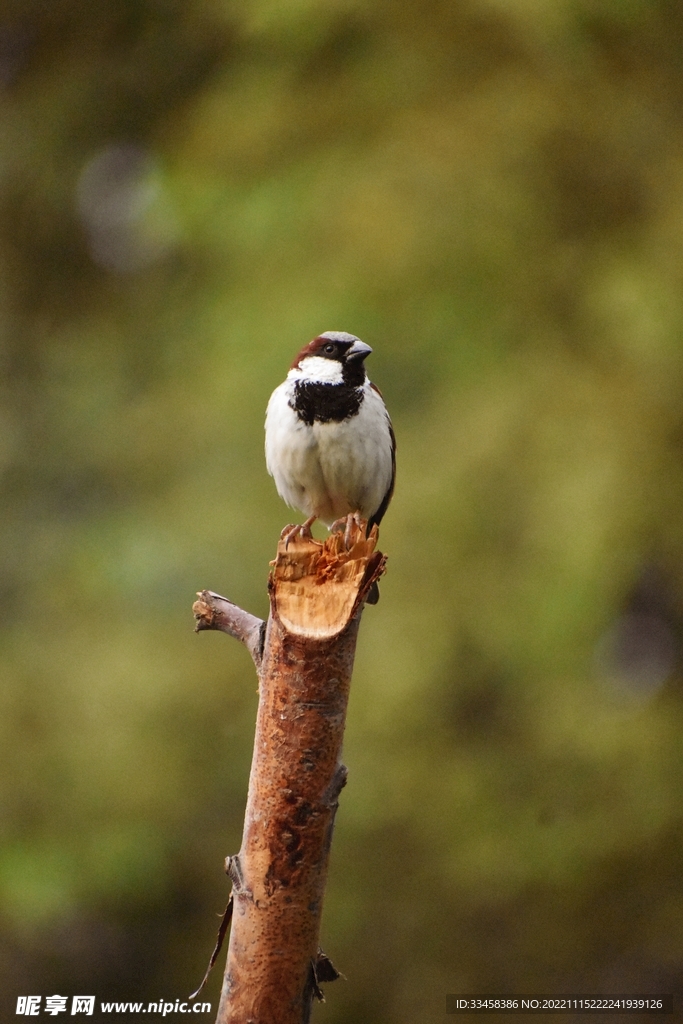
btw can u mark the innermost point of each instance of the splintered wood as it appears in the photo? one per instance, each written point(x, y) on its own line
point(318, 586)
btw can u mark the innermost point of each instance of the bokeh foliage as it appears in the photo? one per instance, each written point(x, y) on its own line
point(490, 193)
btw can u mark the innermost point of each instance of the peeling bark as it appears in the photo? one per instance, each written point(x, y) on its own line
point(304, 659)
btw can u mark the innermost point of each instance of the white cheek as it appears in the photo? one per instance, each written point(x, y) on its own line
point(318, 370)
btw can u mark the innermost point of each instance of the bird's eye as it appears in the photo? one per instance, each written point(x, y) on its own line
point(329, 349)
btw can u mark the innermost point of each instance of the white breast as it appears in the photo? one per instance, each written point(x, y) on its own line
point(329, 469)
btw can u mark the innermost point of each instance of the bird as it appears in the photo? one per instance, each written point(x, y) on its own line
point(330, 444)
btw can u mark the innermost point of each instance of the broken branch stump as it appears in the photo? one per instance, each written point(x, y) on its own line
point(304, 658)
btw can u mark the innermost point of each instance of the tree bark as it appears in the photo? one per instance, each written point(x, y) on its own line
point(304, 659)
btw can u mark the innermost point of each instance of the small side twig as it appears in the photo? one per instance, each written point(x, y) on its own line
point(222, 929)
point(212, 611)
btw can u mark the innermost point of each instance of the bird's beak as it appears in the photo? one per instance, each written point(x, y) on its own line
point(359, 350)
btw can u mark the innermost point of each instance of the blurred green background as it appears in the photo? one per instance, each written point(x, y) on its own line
point(490, 193)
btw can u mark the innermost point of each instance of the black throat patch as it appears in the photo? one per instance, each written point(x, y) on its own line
point(326, 403)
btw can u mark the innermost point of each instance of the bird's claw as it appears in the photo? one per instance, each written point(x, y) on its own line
point(305, 531)
point(347, 531)
point(345, 526)
point(300, 530)
point(288, 533)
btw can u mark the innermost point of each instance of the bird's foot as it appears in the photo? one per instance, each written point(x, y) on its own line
point(353, 517)
point(300, 530)
point(345, 526)
point(339, 525)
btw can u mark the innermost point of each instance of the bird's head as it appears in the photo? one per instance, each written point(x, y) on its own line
point(334, 357)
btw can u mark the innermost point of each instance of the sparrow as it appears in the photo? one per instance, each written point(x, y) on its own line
point(330, 446)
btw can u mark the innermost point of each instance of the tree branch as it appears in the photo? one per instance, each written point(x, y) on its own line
point(317, 592)
point(212, 611)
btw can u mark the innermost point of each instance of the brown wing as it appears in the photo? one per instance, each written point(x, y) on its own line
point(379, 514)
